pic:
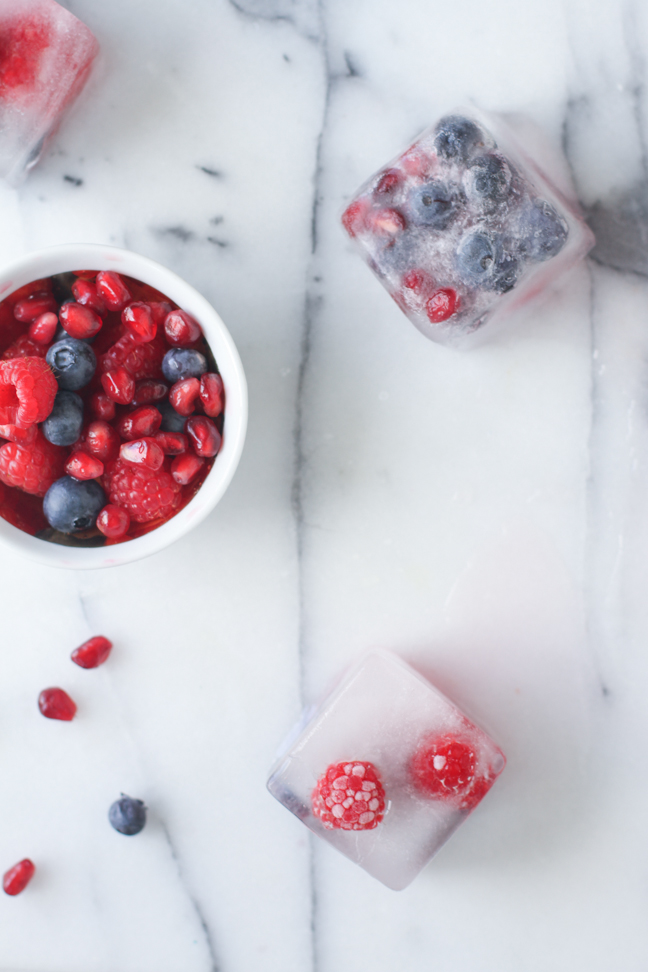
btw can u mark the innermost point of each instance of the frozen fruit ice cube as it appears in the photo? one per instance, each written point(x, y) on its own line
point(45, 58)
point(385, 768)
point(463, 227)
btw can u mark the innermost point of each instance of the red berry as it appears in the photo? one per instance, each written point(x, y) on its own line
point(144, 360)
point(354, 217)
point(212, 394)
point(22, 436)
point(147, 495)
point(349, 796)
point(388, 182)
point(118, 352)
point(441, 305)
point(118, 385)
point(142, 452)
point(181, 328)
point(102, 406)
point(138, 319)
point(204, 436)
point(113, 522)
point(27, 391)
point(159, 310)
point(143, 421)
point(18, 877)
point(102, 441)
point(28, 309)
point(31, 466)
point(43, 329)
point(183, 395)
point(186, 467)
point(149, 391)
point(54, 703)
point(443, 767)
point(388, 222)
point(416, 163)
point(93, 652)
point(82, 466)
point(25, 347)
point(172, 443)
point(112, 289)
point(86, 293)
point(78, 321)
point(417, 280)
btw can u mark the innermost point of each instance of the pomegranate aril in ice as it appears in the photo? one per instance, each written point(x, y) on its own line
point(138, 319)
point(18, 877)
point(45, 58)
point(82, 466)
point(385, 742)
point(181, 329)
point(203, 436)
point(118, 385)
point(184, 394)
point(113, 522)
point(142, 452)
point(112, 290)
point(212, 394)
point(92, 652)
point(43, 328)
point(54, 703)
point(79, 322)
point(186, 467)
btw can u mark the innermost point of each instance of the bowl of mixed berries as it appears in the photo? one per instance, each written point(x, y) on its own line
point(123, 406)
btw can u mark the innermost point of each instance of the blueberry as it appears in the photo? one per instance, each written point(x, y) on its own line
point(71, 505)
point(73, 363)
point(544, 231)
point(127, 815)
point(456, 137)
point(182, 363)
point(484, 261)
point(172, 421)
point(62, 426)
point(434, 204)
point(488, 179)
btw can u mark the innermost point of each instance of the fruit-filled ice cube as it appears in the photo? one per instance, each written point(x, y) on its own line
point(462, 228)
point(385, 768)
point(45, 58)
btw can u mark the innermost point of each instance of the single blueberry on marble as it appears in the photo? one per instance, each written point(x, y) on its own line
point(180, 363)
point(63, 425)
point(72, 505)
point(127, 815)
point(456, 137)
point(73, 363)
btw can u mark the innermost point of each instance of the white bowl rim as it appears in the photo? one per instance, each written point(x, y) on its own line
point(95, 256)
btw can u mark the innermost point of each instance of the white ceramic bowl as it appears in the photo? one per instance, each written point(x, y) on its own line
point(86, 256)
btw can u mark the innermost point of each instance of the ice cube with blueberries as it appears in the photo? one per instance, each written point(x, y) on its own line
point(462, 227)
point(385, 768)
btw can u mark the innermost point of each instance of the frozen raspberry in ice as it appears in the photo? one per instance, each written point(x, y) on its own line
point(349, 796)
point(45, 58)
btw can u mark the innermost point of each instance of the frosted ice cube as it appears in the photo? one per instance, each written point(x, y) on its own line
point(386, 732)
point(45, 58)
point(462, 227)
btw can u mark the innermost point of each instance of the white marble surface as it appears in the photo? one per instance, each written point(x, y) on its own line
point(482, 513)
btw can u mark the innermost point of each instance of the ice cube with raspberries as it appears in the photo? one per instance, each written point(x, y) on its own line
point(385, 768)
point(45, 58)
point(462, 227)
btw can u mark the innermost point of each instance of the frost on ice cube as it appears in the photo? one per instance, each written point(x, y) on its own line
point(45, 58)
point(385, 768)
point(462, 228)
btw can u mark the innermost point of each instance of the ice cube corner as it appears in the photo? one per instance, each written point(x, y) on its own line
point(385, 768)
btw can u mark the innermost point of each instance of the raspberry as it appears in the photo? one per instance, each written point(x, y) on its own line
point(113, 522)
point(92, 653)
point(80, 322)
point(112, 290)
point(27, 391)
point(186, 467)
point(145, 360)
point(138, 319)
point(181, 329)
point(145, 493)
point(142, 452)
point(18, 877)
point(25, 347)
point(349, 796)
point(54, 703)
point(212, 394)
point(43, 329)
point(204, 436)
point(184, 394)
point(22, 436)
point(444, 767)
point(441, 305)
point(82, 466)
point(31, 467)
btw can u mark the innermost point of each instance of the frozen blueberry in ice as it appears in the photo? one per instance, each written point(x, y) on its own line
point(172, 421)
point(485, 261)
point(488, 180)
point(62, 426)
point(127, 815)
point(72, 505)
point(73, 363)
point(544, 231)
point(434, 205)
point(182, 363)
point(456, 137)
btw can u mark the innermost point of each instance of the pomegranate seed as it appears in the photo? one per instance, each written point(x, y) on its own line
point(212, 394)
point(82, 466)
point(205, 437)
point(86, 293)
point(101, 441)
point(18, 877)
point(388, 182)
point(94, 652)
point(143, 421)
point(113, 290)
point(43, 328)
point(441, 305)
point(183, 395)
point(113, 522)
point(354, 217)
point(138, 320)
point(80, 322)
point(54, 703)
point(119, 386)
point(181, 328)
point(142, 452)
point(417, 280)
point(85, 274)
point(159, 310)
point(185, 468)
point(102, 406)
point(172, 443)
point(28, 309)
point(118, 352)
point(149, 391)
point(388, 222)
